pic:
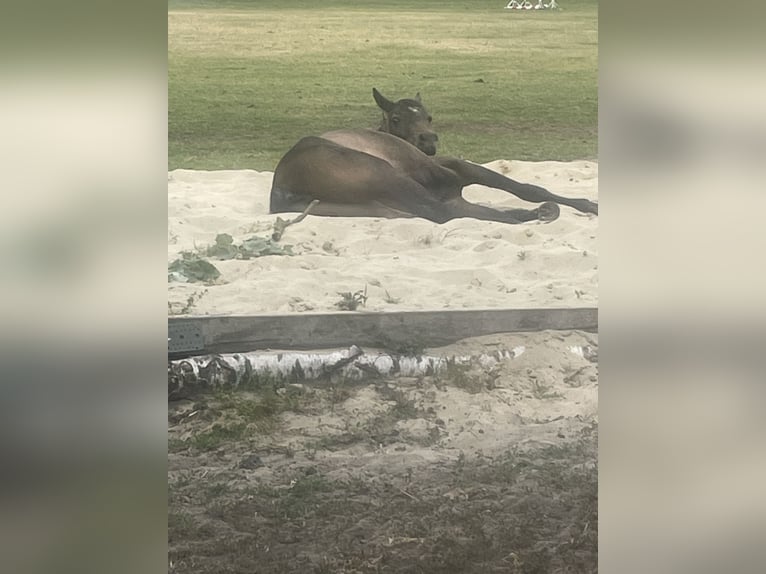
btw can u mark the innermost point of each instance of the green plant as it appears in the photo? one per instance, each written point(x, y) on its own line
point(351, 301)
point(218, 435)
point(191, 268)
point(462, 376)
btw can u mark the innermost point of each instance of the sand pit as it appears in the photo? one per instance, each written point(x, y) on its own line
point(404, 264)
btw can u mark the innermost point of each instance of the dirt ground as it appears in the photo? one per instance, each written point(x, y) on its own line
point(470, 470)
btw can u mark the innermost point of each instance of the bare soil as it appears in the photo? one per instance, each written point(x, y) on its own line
point(471, 470)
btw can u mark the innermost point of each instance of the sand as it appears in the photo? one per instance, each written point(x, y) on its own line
point(404, 264)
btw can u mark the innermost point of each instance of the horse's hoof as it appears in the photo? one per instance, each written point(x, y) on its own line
point(548, 211)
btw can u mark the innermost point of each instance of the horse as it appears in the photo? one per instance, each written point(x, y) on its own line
point(394, 172)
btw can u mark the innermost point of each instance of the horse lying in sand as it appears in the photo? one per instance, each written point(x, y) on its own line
point(394, 172)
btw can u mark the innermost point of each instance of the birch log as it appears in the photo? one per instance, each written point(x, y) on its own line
point(240, 369)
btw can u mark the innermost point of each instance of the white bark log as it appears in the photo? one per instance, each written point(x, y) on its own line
point(241, 369)
point(213, 371)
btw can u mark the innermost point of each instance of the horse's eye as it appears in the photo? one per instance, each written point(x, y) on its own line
point(395, 120)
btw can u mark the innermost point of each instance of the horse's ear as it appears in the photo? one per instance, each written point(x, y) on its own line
point(417, 97)
point(383, 103)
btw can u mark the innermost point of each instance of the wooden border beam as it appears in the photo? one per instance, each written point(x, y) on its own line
point(238, 334)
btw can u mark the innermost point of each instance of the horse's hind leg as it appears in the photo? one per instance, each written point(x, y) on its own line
point(459, 207)
point(473, 173)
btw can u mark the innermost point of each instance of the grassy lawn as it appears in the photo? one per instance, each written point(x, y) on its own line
point(247, 79)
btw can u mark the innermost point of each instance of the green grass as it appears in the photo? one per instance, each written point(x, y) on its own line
point(247, 79)
point(218, 435)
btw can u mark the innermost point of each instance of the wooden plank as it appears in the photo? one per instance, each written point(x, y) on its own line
point(237, 334)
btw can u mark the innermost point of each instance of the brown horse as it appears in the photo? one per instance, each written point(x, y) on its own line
point(394, 172)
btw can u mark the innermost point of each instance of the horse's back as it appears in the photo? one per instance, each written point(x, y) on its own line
point(396, 151)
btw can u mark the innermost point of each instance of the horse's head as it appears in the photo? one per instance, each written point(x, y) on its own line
point(409, 120)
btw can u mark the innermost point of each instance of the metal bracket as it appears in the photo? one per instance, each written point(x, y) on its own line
point(185, 336)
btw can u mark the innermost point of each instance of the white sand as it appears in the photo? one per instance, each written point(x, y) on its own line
point(464, 263)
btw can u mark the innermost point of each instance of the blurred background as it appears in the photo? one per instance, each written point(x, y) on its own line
point(82, 294)
point(682, 143)
point(83, 146)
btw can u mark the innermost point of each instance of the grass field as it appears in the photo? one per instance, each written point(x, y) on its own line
point(247, 79)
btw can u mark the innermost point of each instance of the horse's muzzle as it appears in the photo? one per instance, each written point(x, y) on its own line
point(427, 143)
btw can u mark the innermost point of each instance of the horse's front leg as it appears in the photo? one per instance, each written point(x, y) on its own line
point(470, 173)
